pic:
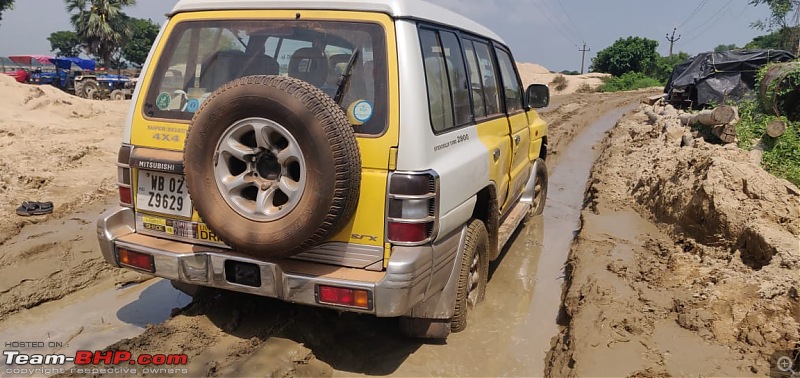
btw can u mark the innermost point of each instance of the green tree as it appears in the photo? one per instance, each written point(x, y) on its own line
point(101, 25)
point(144, 32)
point(783, 39)
point(665, 64)
point(5, 5)
point(632, 54)
point(782, 22)
point(65, 43)
point(723, 47)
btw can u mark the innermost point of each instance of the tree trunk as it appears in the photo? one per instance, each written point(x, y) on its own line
point(726, 133)
point(776, 128)
point(722, 114)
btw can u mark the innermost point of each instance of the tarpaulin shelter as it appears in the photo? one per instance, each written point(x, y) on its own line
point(29, 59)
point(66, 63)
point(716, 77)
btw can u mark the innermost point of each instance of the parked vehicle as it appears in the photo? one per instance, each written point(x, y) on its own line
point(327, 182)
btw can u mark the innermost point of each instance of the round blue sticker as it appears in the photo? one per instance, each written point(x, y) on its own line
point(362, 111)
point(192, 105)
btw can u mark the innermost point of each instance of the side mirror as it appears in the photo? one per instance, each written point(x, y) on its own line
point(537, 96)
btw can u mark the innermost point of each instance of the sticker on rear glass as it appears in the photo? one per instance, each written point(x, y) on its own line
point(192, 105)
point(360, 112)
point(163, 100)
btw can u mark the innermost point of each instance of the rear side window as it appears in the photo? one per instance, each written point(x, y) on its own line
point(488, 76)
point(511, 82)
point(447, 81)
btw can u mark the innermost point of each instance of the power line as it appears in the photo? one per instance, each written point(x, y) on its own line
point(697, 9)
point(713, 17)
point(549, 14)
point(572, 23)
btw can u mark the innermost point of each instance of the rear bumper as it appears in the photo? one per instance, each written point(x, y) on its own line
point(405, 283)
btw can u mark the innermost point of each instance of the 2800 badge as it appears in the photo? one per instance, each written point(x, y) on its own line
point(163, 193)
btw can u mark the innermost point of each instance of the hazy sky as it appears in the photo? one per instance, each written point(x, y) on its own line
point(548, 32)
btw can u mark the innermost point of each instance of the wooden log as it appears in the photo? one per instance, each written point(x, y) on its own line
point(651, 115)
point(720, 115)
point(726, 133)
point(776, 128)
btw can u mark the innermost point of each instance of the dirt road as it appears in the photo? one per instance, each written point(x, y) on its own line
point(234, 334)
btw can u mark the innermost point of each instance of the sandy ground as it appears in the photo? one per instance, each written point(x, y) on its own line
point(686, 264)
point(685, 253)
point(532, 73)
point(61, 148)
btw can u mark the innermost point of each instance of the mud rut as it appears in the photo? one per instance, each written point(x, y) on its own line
point(235, 334)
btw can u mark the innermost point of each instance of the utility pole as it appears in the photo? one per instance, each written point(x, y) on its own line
point(583, 55)
point(672, 40)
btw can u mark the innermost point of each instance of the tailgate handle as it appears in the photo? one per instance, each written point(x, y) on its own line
point(517, 139)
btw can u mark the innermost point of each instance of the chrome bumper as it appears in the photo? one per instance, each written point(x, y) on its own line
point(406, 282)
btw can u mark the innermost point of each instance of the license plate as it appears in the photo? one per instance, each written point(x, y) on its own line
point(163, 193)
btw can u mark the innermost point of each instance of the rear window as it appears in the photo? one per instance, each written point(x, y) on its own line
point(201, 56)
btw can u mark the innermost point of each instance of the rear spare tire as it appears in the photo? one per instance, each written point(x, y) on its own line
point(272, 165)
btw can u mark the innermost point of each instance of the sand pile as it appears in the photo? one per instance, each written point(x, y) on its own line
point(54, 147)
point(532, 73)
point(715, 279)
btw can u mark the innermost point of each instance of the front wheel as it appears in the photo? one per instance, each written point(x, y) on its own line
point(539, 188)
point(473, 275)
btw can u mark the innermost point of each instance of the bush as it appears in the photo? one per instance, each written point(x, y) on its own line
point(559, 83)
point(628, 82)
point(781, 155)
point(586, 88)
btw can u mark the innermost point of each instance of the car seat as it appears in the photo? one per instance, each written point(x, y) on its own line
point(309, 64)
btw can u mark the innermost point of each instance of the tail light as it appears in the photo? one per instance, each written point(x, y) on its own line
point(124, 176)
point(413, 207)
point(136, 260)
point(343, 296)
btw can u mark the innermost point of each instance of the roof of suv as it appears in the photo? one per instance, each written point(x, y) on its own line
point(415, 9)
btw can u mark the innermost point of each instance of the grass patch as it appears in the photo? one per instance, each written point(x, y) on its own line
point(782, 154)
point(559, 83)
point(628, 82)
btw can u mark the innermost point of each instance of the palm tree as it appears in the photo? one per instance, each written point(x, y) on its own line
point(101, 25)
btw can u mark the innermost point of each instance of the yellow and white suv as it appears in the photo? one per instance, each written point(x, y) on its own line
point(368, 156)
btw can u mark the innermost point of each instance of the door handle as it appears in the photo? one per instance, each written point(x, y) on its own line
point(517, 139)
point(496, 154)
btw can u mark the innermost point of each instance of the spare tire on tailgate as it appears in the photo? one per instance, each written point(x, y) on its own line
point(272, 165)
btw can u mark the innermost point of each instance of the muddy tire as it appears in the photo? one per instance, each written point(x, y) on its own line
point(473, 274)
point(90, 89)
point(539, 189)
point(272, 165)
point(117, 95)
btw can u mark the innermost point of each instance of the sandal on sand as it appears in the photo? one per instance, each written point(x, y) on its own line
point(29, 208)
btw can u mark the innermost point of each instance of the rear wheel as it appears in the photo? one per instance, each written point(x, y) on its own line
point(473, 275)
point(90, 89)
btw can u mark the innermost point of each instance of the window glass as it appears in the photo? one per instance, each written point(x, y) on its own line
point(201, 56)
point(448, 88)
point(476, 84)
point(489, 77)
point(440, 102)
point(457, 75)
point(511, 83)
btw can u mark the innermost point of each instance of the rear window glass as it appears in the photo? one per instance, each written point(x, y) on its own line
point(201, 56)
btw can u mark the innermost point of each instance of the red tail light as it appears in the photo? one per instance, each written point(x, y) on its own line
point(125, 196)
point(124, 176)
point(413, 207)
point(343, 296)
point(136, 260)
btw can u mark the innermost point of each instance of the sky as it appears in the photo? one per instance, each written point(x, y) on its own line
point(547, 32)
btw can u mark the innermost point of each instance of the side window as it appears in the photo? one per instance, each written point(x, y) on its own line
point(475, 82)
point(446, 77)
point(511, 82)
point(491, 84)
